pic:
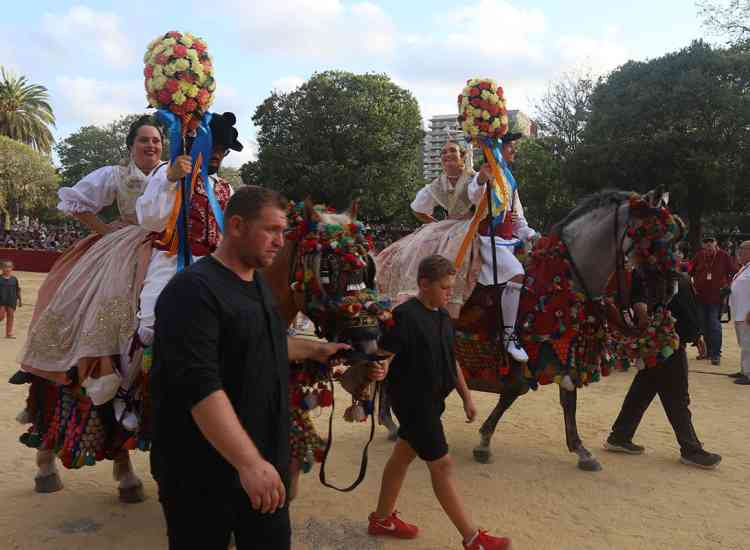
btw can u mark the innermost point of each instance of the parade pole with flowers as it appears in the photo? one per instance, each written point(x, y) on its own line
point(484, 120)
point(180, 85)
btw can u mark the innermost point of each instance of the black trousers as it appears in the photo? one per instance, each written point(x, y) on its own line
point(203, 519)
point(670, 382)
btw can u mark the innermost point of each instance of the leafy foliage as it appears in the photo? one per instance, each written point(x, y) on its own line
point(342, 136)
point(28, 181)
point(25, 112)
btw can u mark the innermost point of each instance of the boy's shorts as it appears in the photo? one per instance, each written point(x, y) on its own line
point(422, 428)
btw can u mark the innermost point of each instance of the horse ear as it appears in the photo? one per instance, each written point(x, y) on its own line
point(352, 210)
point(310, 212)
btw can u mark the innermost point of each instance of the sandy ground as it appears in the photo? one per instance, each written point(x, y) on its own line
point(532, 492)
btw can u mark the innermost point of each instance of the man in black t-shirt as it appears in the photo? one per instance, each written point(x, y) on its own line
point(219, 388)
point(421, 375)
point(669, 380)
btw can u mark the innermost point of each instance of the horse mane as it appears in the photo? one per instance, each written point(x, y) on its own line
point(589, 204)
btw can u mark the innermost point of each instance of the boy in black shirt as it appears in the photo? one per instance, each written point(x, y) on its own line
point(422, 374)
point(219, 389)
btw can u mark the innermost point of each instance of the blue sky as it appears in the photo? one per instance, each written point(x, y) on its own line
point(89, 54)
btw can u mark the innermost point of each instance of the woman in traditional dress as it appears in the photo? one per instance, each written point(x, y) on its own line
point(397, 265)
point(85, 315)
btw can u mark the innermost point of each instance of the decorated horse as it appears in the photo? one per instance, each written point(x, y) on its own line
point(565, 309)
point(323, 270)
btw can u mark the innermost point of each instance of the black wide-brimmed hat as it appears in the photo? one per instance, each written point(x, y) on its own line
point(507, 138)
point(224, 132)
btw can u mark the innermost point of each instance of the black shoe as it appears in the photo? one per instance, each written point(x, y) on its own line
point(627, 447)
point(20, 378)
point(736, 375)
point(701, 459)
point(743, 381)
point(716, 361)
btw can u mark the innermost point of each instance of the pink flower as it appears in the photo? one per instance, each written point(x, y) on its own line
point(190, 105)
point(172, 85)
point(179, 51)
point(207, 66)
point(187, 77)
point(162, 59)
point(174, 34)
point(203, 97)
point(148, 72)
point(200, 46)
point(164, 97)
point(179, 110)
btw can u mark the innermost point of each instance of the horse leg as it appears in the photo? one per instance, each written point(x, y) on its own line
point(129, 485)
point(294, 473)
point(47, 478)
point(385, 415)
point(586, 461)
point(482, 452)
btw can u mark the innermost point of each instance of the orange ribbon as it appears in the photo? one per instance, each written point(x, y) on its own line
point(170, 233)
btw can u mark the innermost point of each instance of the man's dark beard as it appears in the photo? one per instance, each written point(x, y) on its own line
point(213, 169)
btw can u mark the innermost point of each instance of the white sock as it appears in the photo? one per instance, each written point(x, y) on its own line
point(509, 301)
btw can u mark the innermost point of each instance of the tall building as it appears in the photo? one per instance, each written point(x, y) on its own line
point(445, 127)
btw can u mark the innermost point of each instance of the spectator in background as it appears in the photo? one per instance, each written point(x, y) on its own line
point(712, 271)
point(739, 303)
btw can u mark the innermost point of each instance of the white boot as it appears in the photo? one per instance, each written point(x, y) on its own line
point(509, 301)
point(127, 418)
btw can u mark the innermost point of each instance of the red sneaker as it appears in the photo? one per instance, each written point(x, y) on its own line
point(485, 541)
point(392, 526)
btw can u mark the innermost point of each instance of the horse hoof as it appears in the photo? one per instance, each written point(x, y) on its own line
point(590, 465)
point(132, 495)
point(483, 455)
point(48, 484)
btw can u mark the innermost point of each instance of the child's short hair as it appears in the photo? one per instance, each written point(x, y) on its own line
point(434, 268)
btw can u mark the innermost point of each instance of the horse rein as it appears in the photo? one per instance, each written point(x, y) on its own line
point(347, 355)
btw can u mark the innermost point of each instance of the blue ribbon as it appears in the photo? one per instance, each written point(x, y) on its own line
point(202, 143)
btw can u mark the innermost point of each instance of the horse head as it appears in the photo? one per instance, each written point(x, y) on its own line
point(333, 276)
point(611, 227)
point(652, 235)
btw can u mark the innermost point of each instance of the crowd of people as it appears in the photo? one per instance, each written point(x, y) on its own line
point(36, 235)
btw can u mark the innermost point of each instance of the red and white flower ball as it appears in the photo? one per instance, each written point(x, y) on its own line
point(179, 76)
point(481, 109)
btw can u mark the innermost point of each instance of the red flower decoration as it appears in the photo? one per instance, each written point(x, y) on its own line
point(172, 85)
point(174, 34)
point(148, 72)
point(190, 105)
point(179, 51)
point(165, 97)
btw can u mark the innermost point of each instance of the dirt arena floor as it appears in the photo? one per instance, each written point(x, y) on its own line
point(532, 492)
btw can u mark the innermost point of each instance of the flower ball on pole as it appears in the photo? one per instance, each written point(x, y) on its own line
point(179, 81)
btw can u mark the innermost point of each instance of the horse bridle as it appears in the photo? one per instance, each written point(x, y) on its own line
point(349, 356)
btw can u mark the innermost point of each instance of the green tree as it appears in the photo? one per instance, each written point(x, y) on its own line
point(28, 181)
point(92, 147)
point(342, 136)
point(232, 175)
point(538, 169)
point(25, 112)
point(683, 121)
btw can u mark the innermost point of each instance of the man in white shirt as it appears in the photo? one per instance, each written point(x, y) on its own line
point(508, 235)
point(739, 303)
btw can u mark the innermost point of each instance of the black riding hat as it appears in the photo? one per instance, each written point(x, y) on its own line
point(507, 138)
point(224, 132)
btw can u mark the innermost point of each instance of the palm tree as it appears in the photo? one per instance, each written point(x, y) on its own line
point(25, 112)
